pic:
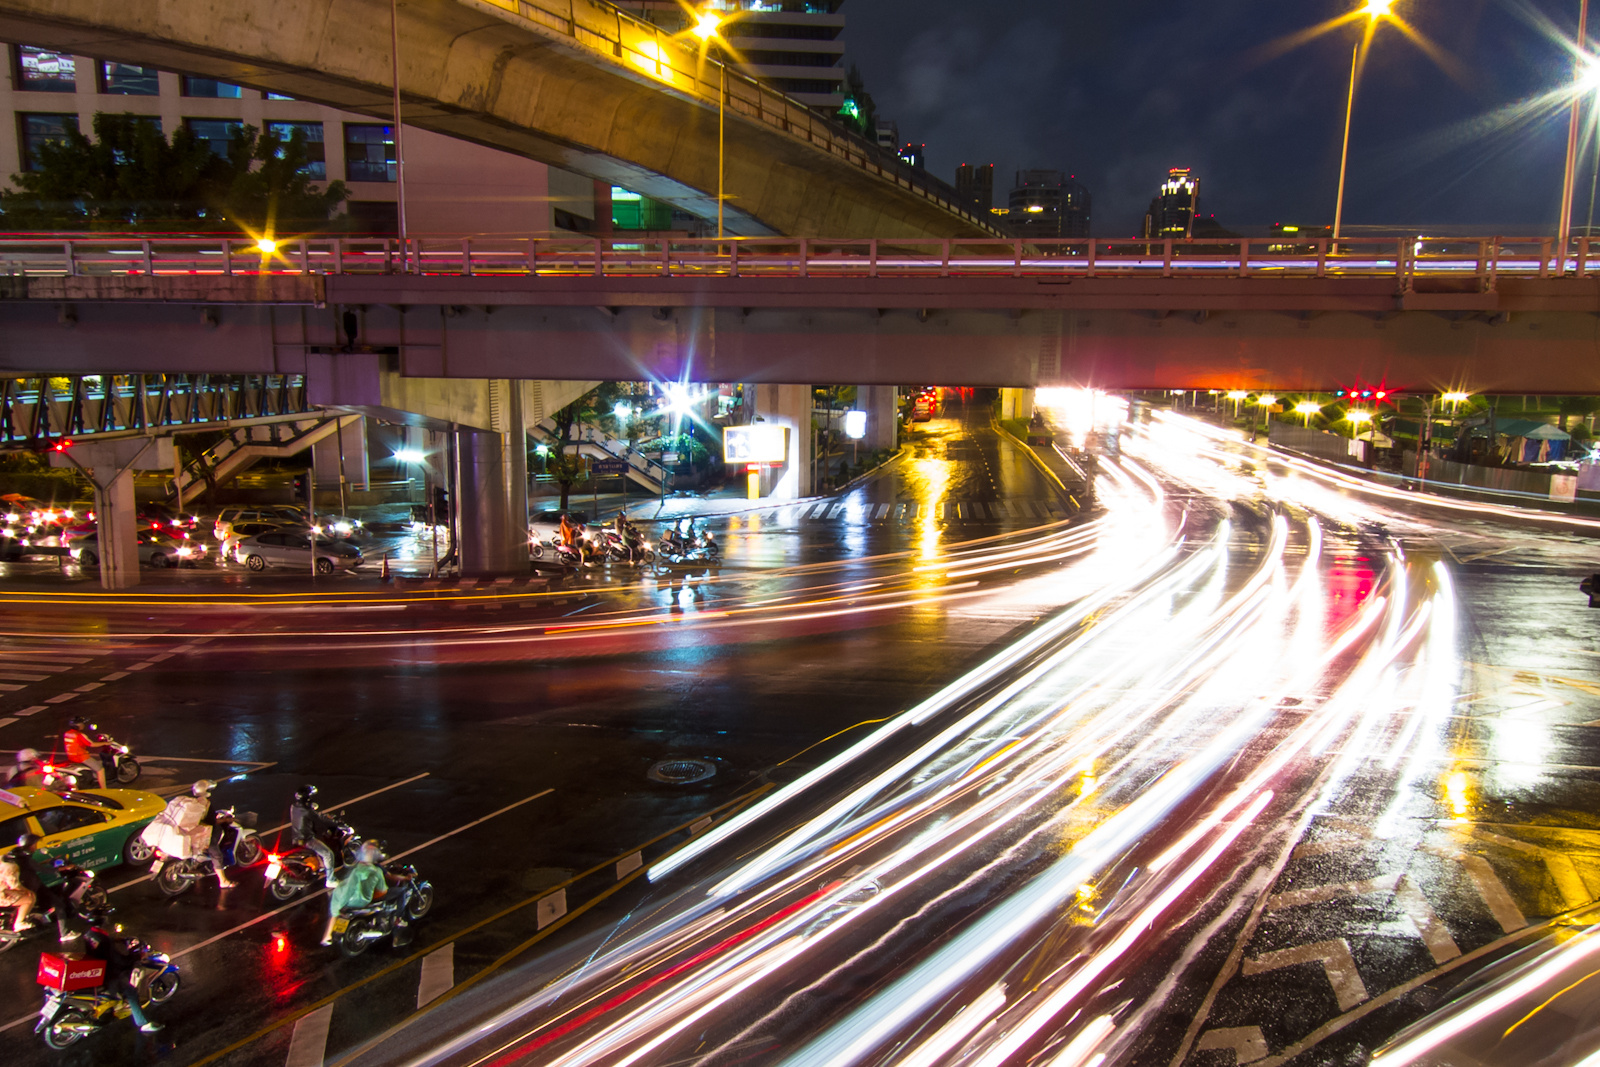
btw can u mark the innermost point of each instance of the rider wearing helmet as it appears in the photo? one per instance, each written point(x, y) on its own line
point(29, 860)
point(28, 770)
point(13, 894)
point(363, 883)
point(308, 826)
point(122, 956)
point(80, 747)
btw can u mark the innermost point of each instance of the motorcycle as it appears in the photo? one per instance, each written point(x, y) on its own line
point(120, 765)
point(291, 873)
point(676, 546)
point(175, 875)
point(70, 1015)
point(86, 899)
point(627, 548)
point(357, 929)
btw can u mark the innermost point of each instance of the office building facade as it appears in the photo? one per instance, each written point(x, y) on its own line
point(975, 186)
point(1173, 210)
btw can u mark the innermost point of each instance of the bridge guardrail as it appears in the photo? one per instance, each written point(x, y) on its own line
point(1465, 263)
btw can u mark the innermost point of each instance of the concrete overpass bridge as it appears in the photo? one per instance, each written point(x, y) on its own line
point(457, 338)
point(573, 83)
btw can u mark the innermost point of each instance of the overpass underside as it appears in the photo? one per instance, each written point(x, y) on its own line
point(1528, 335)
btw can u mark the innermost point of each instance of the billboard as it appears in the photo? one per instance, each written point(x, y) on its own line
point(759, 443)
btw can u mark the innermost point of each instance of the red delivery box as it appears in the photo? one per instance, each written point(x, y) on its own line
point(67, 974)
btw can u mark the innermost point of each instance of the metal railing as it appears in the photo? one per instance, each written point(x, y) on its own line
point(1476, 262)
point(677, 63)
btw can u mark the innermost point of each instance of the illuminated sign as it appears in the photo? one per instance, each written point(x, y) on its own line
point(760, 443)
point(855, 424)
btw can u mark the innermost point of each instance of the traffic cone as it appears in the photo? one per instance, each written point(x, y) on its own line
point(384, 576)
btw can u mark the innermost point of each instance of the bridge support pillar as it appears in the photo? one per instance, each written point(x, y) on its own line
point(110, 466)
point(882, 405)
point(491, 540)
point(342, 455)
point(788, 406)
point(1016, 403)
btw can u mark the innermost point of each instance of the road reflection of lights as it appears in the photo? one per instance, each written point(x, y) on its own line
point(933, 475)
point(953, 1033)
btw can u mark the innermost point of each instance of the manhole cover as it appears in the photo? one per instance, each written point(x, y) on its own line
point(681, 771)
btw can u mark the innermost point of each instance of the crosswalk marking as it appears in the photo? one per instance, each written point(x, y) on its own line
point(438, 974)
point(8, 687)
point(33, 710)
point(1247, 1042)
point(18, 676)
point(309, 1044)
point(33, 656)
point(1337, 964)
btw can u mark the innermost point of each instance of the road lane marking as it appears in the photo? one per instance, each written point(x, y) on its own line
point(60, 698)
point(19, 676)
point(1562, 870)
point(33, 710)
point(89, 687)
point(7, 722)
point(438, 974)
point(1247, 1042)
point(115, 676)
point(308, 1046)
point(1441, 946)
point(1337, 964)
point(10, 687)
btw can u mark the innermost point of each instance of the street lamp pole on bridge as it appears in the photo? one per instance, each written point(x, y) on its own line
point(1583, 83)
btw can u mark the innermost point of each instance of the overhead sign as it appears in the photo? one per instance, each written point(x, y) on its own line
point(855, 425)
point(609, 466)
point(758, 443)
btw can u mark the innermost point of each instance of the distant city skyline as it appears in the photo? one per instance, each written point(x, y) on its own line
point(1120, 94)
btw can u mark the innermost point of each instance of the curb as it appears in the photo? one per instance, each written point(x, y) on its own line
point(899, 454)
point(1027, 449)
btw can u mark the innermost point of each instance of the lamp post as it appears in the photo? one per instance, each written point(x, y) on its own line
point(1308, 408)
point(1375, 10)
point(707, 30)
point(1583, 77)
point(399, 144)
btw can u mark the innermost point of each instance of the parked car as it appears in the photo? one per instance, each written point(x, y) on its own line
point(292, 548)
point(278, 514)
point(227, 550)
point(154, 551)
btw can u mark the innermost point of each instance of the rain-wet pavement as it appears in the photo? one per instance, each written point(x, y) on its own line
point(1422, 832)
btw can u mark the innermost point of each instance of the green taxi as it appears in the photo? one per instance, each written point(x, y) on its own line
point(92, 828)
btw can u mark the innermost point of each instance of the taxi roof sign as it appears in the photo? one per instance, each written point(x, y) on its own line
point(7, 797)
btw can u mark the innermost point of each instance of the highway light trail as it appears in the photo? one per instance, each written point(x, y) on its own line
point(973, 882)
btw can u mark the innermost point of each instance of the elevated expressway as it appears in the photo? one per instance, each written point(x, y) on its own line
point(573, 83)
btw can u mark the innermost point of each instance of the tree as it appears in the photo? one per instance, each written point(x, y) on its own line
point(130, 175)
point(567, 469)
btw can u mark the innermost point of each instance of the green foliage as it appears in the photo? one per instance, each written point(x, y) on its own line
point(692, 449)
point(131, 176)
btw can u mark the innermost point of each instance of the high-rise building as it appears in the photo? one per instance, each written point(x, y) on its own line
point(1173, 210)
point(975, 186)
point(795, 46)
point(1075, 203)
point(914, 155)
point(888, 135)
point(1035, 203)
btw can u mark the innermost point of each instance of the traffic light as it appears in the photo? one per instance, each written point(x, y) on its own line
point(299, 485)
point(441, 506)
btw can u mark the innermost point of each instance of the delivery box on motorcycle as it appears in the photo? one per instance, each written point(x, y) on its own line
point(68, 974)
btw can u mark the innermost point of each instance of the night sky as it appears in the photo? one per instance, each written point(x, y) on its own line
point(1117, 91)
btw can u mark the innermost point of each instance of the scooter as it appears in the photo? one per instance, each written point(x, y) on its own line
point(70, 1015)
point(236, 836)
point(291, 873)
point(409, 898)
point(86, 901)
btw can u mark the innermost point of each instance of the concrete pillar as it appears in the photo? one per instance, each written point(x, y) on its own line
point(491, 542)
point(117, 525)
point(325, 458)
point(516, 458)
point(881, 403)
point(1016, 403)
point(788, 406)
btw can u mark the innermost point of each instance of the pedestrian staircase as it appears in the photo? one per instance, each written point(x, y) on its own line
point(246, 444)
point(595, 443)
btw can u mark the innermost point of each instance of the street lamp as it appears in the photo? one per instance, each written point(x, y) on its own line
point(1265, 402)
point(1237, 396)
point(1308, 408)
point(1375, 11)
point(707, 28)
point(1584, 79)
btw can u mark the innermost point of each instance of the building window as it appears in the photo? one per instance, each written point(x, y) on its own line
point(278, 96)
point(316, 157)
point(210, 88)
point(40, 70)
point(368, 153)
point(124, 79)
point(39, 130)
point(215, 134)
point(380, 217)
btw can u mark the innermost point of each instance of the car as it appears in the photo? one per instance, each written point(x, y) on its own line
point(154, 551)
point(279, 514)
point(292, 548)
point(238, 531)
point(337, 526)
point(92, 828)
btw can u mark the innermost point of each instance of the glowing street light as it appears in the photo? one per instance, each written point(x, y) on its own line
point(708, 27)
point(1358, 417)
point(266, 246)
point(1238, 396)
point(408, 456)
point(1456, 398)
point(707, 24)
point(1375, 11)
point(1308, 408)
point(1584, 79)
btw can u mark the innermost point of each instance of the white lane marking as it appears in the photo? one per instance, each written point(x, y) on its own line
point(1493, 891)
point(1441, 946)
point(115, 676)
point(883, 509)
point(19, 676)
point(1569, 883)
point(89, 687)
point(9, 687)
point(60, 698)
point(34, 654)
point(1247, 1042)
point(137, 666)
point(33, 710)
point(1337, 964)
point(309, 1044)
point(474, 822)
point(438, 974)
point(228, 762)
point(7, 722)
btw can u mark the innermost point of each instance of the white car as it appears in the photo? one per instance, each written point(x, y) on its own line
point(228, 547)
point(277, 514)
point(292, 548)
point(153, 550)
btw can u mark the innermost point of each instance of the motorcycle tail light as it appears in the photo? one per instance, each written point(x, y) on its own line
point(273, 868)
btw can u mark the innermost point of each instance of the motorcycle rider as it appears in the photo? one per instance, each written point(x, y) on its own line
point(362, 884)
point(181, 831)
point(81, 747)
point(28, 859)
point(28, 770)
point(308, 825)
point(13, 894)
point(224, 839)
point(122, 956)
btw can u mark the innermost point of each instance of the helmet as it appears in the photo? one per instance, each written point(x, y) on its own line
point(224, 815)
point(27, 755)
point(77, 722)
point(371, 851)
point(203, 787)
point(305, 793)
point(28, 842)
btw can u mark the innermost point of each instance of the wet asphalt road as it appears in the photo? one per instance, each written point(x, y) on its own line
point(1306, 943)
